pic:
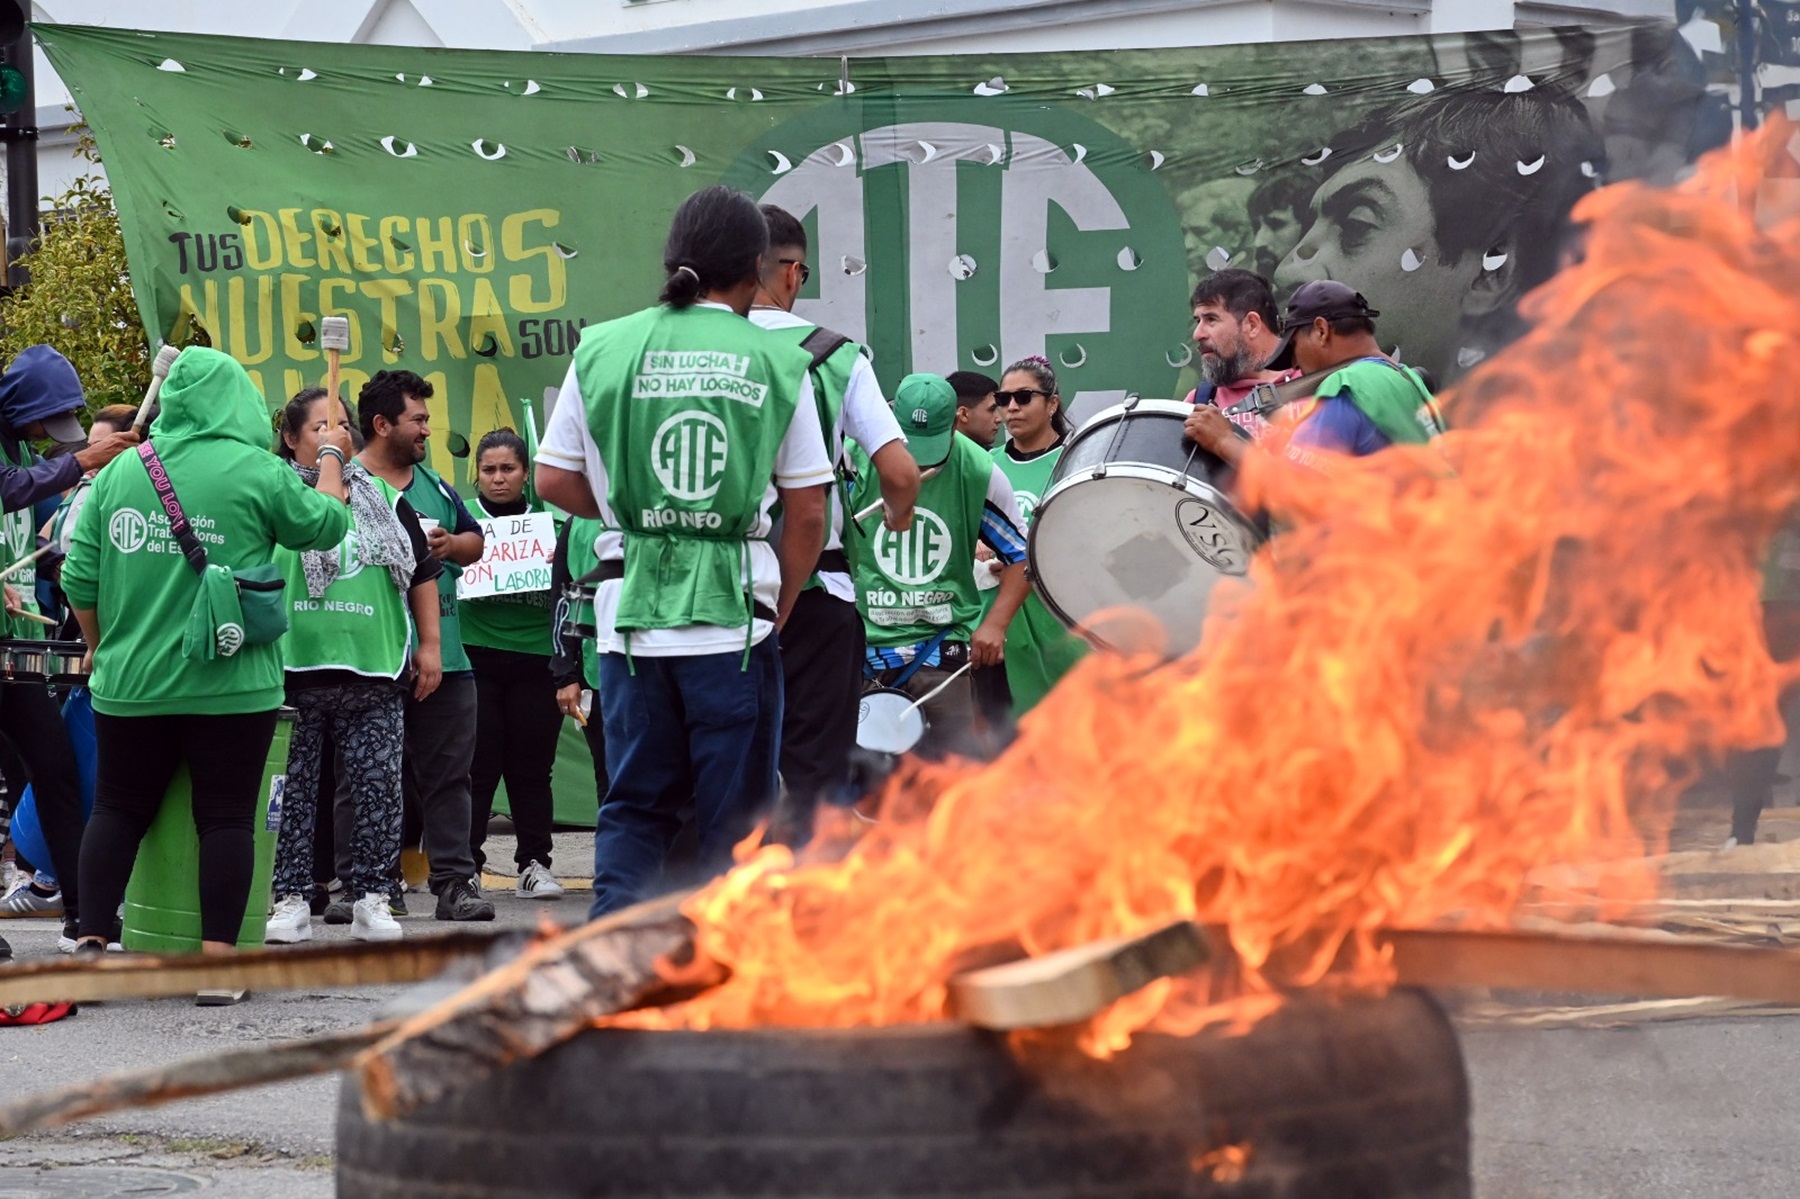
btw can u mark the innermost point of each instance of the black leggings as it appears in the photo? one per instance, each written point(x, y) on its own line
point(516, 727)
point(139, 755)
point(32, 721)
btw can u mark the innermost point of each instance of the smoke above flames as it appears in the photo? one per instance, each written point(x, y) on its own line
point(1454, 666)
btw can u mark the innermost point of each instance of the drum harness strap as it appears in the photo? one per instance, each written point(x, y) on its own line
point(923, 652)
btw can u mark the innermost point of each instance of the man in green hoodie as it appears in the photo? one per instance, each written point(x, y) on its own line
point(164, 696)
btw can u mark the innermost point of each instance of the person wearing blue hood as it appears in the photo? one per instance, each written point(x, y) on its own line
point(40, 397)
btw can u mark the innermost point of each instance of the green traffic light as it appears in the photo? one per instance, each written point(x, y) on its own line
point(13, 89)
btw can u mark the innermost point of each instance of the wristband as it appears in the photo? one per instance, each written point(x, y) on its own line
point(335, 453)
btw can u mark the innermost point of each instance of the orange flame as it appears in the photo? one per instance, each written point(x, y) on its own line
point(1434, 682)
point(1225, 1164)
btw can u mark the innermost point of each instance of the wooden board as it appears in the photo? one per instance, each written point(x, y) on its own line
point(1074, 984)
point(144, 976)
point(1629, 964)
point(185, 1079)
point(547, 994)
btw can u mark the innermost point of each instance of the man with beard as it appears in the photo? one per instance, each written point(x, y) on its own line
point(1235, 323)
point(440, 729)
point(1363, 401)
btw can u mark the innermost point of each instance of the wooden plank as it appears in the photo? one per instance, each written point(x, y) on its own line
point(1075, 984)
point(1640, 965)
point(186, 1079)
point(550, 992)
point(145, 976)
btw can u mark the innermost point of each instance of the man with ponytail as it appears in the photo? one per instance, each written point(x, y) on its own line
point(683, 426)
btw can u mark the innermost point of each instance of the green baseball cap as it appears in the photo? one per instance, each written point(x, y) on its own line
point(926, 408)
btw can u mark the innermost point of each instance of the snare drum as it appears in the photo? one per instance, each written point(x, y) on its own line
point(1137, 516)
point(889, 721)
point(58, 662)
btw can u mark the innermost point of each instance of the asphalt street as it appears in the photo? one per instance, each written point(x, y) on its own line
point(1696, 1109)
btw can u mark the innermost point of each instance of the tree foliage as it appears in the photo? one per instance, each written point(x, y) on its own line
point(79, 298)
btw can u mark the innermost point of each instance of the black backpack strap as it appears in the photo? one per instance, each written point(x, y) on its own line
point(822, 343)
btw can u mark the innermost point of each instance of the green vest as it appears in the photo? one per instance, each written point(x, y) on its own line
point(361, 623)
point(426, 494)
point(1030, 480)
point(1390, 395)
point(909, 585)
point(831, 386)
point(1039, 648)
point(518, 622)
point(688, 407)
point(18, 533)
point(582, 558)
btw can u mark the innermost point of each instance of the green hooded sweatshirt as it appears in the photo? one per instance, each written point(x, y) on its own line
point(242, 502)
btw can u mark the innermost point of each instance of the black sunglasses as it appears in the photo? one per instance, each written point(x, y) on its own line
point(805, 271)
point(1021, 398)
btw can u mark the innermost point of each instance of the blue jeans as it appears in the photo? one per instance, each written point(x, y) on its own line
point(702, 730)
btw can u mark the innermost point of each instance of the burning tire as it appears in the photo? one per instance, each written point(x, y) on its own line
point(1319, 1101)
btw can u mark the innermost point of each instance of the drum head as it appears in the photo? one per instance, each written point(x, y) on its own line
point(888, 723)
point(1140, 537)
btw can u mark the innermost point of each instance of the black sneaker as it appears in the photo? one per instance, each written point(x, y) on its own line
point(5, 953)
point(319, 900)
point(338, 910)
point(459, 900)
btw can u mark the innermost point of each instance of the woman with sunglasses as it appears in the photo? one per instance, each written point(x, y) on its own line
point(1039, 650)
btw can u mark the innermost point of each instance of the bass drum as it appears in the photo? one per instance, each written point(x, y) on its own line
point(1138, 517)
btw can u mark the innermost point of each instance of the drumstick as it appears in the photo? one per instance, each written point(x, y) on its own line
point(20, 612)
point(27, 560)
point(159, 370)
point(872, 509)
point(334, 339)
point(932, 694)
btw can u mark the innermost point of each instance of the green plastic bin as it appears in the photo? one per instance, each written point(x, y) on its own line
point(162, 900)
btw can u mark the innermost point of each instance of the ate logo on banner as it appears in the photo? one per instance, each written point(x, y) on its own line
point(951, 244)
point(688, 455)
point(917, 556)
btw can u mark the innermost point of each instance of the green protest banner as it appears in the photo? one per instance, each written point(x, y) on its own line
point(470, 212)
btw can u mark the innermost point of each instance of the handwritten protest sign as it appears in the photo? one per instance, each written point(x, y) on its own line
point(517, 557)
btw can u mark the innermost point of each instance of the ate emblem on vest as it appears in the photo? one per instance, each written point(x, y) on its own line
point(688, 455)
point(350, 561)
point(127, 530)
point(917, 556)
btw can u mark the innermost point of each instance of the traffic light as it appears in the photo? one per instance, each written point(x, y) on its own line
point(15, 83)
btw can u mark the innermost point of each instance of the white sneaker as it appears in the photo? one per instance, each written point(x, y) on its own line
point(370, 919)
point(291, 922)
point(536, 882)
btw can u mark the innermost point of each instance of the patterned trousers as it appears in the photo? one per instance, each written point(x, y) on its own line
point(366, 722)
